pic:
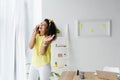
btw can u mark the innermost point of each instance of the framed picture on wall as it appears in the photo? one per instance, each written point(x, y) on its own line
point(87, 28)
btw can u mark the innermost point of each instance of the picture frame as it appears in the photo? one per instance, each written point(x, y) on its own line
point(93, 27)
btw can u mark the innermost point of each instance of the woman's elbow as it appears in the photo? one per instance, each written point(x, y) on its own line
point(30, 46)
point(42, 53)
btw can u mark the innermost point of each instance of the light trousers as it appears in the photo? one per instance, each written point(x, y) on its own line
point(39, 71)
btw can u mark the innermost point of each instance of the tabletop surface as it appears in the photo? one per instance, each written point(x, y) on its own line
point(72, 75)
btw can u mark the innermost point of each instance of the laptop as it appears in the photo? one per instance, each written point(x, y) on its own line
point(107, 75)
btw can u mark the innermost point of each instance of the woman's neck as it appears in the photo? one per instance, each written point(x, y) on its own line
point(41, 34)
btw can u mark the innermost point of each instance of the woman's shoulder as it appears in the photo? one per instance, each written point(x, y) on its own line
point(37, 35)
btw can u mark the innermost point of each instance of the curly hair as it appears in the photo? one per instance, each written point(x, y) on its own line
point(51, 28)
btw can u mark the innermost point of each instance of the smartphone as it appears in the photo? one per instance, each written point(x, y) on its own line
point(37, 28)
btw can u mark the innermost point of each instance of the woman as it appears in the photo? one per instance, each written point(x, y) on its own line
point(42, 36)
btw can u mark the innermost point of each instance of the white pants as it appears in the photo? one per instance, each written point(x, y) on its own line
point(42, 71)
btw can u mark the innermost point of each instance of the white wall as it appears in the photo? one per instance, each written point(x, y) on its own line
point(94, 52)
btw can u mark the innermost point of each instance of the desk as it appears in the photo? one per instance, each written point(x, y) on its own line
point(71, 75)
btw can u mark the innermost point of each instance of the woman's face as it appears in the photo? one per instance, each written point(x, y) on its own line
point(43, 27)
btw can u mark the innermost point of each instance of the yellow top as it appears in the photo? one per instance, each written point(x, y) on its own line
point(37, 58)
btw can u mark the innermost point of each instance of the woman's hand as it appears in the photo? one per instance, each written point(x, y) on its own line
point(36, 29)
point(48, 39)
